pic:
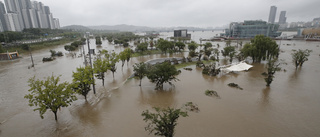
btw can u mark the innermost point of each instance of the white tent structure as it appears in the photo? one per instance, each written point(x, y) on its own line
point(238, 67)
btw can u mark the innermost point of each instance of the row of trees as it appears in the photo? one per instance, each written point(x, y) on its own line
point(35, 33)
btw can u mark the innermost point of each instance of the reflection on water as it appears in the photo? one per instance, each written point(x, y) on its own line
point(289, 107)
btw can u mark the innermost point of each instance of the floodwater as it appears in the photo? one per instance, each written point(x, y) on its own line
point(290, 107)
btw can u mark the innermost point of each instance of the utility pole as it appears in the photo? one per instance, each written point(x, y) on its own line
point(84, 55)
point(93, 86)
point(31, 55)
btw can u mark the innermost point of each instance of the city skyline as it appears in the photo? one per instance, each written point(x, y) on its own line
point(165, 13)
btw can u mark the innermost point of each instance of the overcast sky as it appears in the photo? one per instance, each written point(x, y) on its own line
point(173, 13)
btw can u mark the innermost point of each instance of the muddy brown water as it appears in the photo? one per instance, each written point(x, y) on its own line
point(290, 107)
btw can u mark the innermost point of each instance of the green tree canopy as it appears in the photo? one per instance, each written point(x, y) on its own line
point(112, 59)
point(164, 45)
point(98, 40)
point(49, 94)
point(261, 48)
point(300, 56)
point(140, 70)
point(272, 68)
point(162, 73)
point(207, 45)
point(180, 45)
point(82, 79)
point(163, 121)
point(100, 67)
point(192, 46)
point(142, 47)
point(229, 51)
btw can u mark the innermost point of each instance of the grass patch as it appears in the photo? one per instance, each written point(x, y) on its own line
point(148, 52)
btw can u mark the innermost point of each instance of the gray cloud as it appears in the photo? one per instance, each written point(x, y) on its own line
point(167, 13)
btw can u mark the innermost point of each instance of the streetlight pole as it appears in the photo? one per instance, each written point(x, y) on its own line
point(93, 86)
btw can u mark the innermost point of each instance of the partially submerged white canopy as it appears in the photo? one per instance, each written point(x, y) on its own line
point(239, 67)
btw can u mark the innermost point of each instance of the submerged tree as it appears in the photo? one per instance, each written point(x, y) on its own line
point(162, 73)
point(82, 79)
point(192, 46)
point(272, 68)
point(261, 48)
point(100, 67)
point(113, 58)
point(300, 56)
point(98, 40)
point(163, 121)
point(140, 70)
point(229, 51)
point(49, 94)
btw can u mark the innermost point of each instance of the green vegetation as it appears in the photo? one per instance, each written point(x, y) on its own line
point(13, 39)
point(272, 68)
point(137, 54)
point(229, 51)
point(192, 46)
point(98, 40)
point(300, 56)
point(261, 48)
point(235, 86)
point(49, 94)
point(142, 47)
point(100, 67)
point(162, 73)
point(163, 121)
point(112, 58)
point(140, 70)
point(1, 49)
point(82, 79)
point(211, 93)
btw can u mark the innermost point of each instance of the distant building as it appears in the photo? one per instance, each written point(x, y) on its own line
point(272, 14)
point(181, 33)
point(56, 23)
point(282, 17)
point(251, 28)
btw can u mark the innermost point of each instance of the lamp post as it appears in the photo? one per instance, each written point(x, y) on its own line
point(93, 86)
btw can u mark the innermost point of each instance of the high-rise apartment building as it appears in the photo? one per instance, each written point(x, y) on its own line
point(3, 25)
point(25, 14)
point(12, 21)
point(272, 14)
point(282, 17)
point(56, 23)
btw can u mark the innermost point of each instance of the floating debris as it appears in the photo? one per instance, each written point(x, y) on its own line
point(212, 93)
point(189, 69)
point(235, 86)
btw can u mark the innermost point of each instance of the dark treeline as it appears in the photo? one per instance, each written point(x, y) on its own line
point(36, 33)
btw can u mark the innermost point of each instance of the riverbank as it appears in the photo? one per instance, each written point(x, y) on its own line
point(40, 45)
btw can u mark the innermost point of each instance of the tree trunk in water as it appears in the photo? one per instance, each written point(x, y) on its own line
point(113, 74)
point(103, 82)
point(55, 115)
point(140, 82)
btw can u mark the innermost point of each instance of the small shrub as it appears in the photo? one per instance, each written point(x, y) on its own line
point(235, 86)
point(212, 93)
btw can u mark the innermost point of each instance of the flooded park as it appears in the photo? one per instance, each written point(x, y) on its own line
point(289, 107)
